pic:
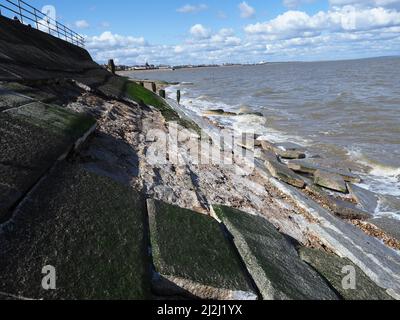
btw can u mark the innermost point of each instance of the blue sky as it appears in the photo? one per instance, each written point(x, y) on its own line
point(205, 31)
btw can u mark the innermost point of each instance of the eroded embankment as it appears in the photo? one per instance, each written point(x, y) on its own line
point(95, 169)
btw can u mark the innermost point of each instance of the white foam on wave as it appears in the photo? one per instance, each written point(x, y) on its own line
point(380, 178)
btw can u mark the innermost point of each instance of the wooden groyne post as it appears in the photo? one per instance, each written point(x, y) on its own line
point(111, 66)
point(162, 94)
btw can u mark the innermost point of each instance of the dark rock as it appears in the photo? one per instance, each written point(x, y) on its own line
point(332, 268)
point(329, 180)
point(192, 256)
point(271, 259)
point(219, 112)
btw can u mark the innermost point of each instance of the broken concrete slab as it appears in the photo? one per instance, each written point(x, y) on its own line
point(192, 256)
point(334, 269)
point(271, 259)
point(89, 228)
point(286, 150)
point(279, 170)
point(330, 181)
point(389, 225)
point(367, 200)
point(341, 208)
point(312, 165)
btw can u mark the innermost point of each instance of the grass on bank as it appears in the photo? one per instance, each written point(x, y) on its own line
point(140, 94)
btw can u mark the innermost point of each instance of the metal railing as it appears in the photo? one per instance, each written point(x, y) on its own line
point(28, 14)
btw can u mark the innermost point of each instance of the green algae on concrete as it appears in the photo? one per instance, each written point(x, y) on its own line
point(90, 228)
point(272, 260)
point(55, 119)
point(192, 255)
point(141, 94)
point(335, 269)
point(33, 138)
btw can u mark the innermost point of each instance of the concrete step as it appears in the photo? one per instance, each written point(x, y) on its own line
point(272, 260)
point(192, 256)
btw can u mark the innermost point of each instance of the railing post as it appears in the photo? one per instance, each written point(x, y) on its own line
point(20, 11)
point(36, 19)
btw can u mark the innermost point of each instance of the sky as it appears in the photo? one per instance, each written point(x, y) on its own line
point(220, 31)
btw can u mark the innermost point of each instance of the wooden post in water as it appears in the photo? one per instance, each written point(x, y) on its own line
point(111, 66)
point(162, 93)
point(178, 96)
point(141, 84)
point(154, 87)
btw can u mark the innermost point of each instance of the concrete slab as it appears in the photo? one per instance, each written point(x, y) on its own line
point(192, 256)
point(33, 137)
point(272, 260)
point(330, 181)
point(334, 269)
point(279, 170)
point(390, 225)
point(312, 165)
point(90, 228)
point(367, 200)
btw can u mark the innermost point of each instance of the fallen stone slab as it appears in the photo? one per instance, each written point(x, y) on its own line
point(389, 225)
point(334, 269)
point(312, 165)
point(192, 256)
point(341, 208)
point(89, 228)
point(286, 150)
point(279, 170)
point(330, 181)
point(367, 200)
point(272, 260)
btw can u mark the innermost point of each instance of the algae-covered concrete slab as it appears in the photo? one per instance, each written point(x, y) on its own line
point(32, 138)
point(193, 257)
point(9, 100)
point(338, 273)
point(89, 228)
point(272, 260)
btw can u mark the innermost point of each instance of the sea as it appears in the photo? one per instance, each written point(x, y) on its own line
point(348, 111)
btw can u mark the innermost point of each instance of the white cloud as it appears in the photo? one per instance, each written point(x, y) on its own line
point(246, 11)
point(82, 24)
point(199, 31)
point(366, 3)
point(189, 8)
point(293, 24)
point(343, 31)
